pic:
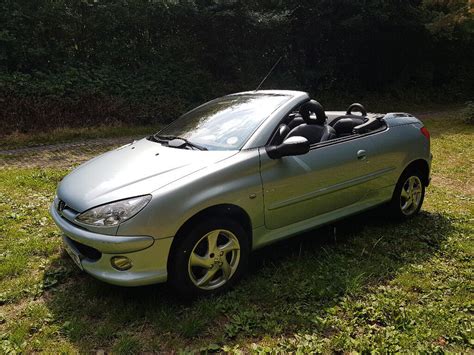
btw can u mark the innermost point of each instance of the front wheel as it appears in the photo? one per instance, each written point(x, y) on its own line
point(408, 195)
point(209, 259)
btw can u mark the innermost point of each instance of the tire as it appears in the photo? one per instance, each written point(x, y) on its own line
point(408, 196)
point(198, 269)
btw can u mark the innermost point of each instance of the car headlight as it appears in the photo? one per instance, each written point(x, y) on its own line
point(112, 214)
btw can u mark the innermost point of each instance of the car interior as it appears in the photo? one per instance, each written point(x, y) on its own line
point(310, 121)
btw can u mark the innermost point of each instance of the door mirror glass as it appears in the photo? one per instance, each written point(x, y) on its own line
point(291, 146)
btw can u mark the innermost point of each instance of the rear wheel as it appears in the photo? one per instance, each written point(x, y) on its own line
point(209, 259)
point(408, 195)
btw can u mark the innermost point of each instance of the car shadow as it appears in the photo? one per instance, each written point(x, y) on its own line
point(312, 270)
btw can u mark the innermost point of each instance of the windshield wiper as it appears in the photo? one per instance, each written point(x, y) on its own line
point(177, 144)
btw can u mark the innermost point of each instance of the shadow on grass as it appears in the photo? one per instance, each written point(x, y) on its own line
point(288, 286)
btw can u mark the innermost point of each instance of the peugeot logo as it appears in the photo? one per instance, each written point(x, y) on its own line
point(61, 206)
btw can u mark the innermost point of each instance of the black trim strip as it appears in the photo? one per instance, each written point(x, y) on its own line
point(348, 138)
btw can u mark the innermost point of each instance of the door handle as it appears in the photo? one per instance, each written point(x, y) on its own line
point(361, 154)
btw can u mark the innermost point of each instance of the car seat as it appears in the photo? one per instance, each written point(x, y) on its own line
point(315, 130)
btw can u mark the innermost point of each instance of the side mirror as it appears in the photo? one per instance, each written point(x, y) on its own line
point(291, 146)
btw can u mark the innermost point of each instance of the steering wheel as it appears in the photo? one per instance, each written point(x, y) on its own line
point(357, 107)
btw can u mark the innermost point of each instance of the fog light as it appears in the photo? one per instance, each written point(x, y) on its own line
point(121, 263)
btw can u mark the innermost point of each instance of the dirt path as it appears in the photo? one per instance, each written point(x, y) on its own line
point(67, 155)
point(63, 155)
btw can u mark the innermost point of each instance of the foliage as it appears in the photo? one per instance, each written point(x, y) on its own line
point(469, 112)
point(83, 62)
point(374, 287)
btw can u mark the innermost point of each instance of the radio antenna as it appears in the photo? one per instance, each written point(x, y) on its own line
point(271, 70)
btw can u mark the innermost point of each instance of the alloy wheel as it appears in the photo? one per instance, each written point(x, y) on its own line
point(214, 259)
point(410, 196)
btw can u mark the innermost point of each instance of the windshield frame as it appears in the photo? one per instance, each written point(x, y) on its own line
point(262, 135)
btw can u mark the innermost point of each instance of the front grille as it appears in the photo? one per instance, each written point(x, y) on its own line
point(87, 251)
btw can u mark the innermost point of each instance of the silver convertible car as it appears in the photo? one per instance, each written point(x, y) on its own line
point(189, 203)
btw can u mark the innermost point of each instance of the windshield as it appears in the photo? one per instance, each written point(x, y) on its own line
point(225, 123)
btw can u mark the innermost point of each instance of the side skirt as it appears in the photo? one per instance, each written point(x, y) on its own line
point(263, 236)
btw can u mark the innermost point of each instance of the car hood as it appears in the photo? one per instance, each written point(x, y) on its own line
point(135, 169)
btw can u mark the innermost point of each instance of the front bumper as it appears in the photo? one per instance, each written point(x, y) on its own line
point(149, 257)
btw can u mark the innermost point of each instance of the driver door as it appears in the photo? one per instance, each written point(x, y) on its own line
point(326, 179)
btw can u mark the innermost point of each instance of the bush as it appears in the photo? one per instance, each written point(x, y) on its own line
point(85, 62)
point(468, 112)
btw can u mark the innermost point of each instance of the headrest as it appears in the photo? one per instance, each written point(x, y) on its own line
point(312, 106)
point(358, 108)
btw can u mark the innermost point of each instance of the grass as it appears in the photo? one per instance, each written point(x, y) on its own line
point(374, 286)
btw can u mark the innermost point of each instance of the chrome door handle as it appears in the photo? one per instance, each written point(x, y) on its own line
point(361, 154)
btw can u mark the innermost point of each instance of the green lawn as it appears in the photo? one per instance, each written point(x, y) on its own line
point(376, 285)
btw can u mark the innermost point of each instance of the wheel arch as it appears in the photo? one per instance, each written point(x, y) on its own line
point(422, 166)
point(222, 210)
